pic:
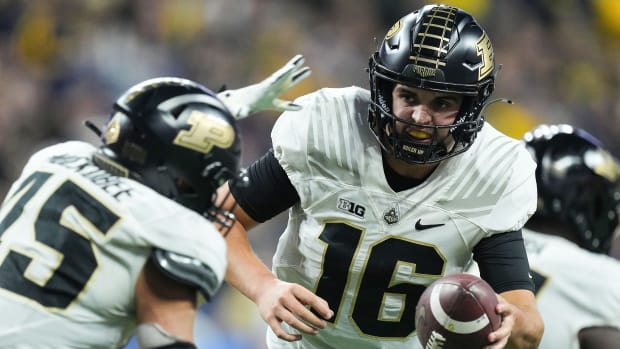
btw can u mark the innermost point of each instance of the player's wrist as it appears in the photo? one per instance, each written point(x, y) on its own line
point(527, 329)
point(262, 282)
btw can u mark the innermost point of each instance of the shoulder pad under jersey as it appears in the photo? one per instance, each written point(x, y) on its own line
point(187, 270)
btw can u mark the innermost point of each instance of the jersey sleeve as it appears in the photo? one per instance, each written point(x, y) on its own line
point(298, 138)
point(290, 138)
point(323, 141)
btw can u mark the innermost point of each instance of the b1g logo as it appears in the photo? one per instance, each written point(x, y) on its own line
point(351, 207)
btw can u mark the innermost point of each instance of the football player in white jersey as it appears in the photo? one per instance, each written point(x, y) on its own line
point(569, 236)
point(389, 190)
point(98, 244)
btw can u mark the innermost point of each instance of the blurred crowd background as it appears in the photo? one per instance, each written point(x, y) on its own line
point(63, 62)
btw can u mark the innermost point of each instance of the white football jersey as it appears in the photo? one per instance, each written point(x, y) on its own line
point(370, 251)
point(575, 288)
point(73, 241)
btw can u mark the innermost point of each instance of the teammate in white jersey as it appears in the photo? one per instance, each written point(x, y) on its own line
point(389, 190)
point(95, 241)
point(100, 243)
point(568, 238)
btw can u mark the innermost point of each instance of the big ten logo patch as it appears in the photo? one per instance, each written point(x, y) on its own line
point(351, 207)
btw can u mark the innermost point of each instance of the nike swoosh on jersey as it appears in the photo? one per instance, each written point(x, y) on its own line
point(420, 226)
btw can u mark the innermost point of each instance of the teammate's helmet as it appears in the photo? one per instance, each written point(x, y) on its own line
point(578, 183)
point(437, 48)
point(176, 137)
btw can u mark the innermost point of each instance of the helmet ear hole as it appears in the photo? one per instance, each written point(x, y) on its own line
point(126, 139)
point(119, 128)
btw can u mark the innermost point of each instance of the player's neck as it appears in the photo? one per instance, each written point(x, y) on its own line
point(419, 172)
point(402, 176)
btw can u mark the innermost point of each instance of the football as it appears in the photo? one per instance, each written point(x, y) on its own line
point(456, 312)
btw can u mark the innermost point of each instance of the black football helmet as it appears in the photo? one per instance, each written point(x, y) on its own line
point(175, 136)
point(578, 183)
point(437, 48)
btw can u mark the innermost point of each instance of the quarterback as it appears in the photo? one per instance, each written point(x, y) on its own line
point(389, 189)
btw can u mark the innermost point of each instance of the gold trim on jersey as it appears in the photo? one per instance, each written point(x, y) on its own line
point(39, 261)
point(389, 297)
point(103, 236)
point(347, 284)
point(403, 272)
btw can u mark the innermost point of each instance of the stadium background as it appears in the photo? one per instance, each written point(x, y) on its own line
point(63, 62)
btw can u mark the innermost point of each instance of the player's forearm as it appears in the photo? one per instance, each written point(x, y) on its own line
point(246, 271)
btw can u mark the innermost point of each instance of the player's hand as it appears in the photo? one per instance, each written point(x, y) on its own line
point(500, 337)
point(282, 302)
point(264, 95)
